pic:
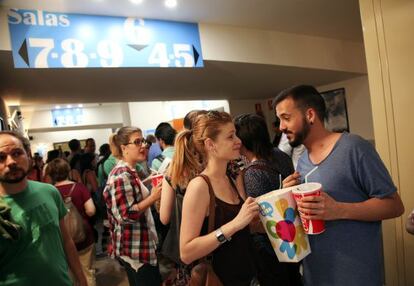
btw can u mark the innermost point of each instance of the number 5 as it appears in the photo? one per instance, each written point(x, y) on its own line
point(183, 51)
point(47, 45)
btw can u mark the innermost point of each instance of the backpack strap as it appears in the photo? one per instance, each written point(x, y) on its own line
point(212, 209)
point(160, 157)
point(69, 195)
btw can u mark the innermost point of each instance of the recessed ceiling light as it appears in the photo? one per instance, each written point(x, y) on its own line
point(69, 106)
point(80, 105)
point(170, 3)
point(57, 106)
point(136, 2)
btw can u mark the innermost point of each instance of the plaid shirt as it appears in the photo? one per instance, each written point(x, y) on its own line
point(132, 233)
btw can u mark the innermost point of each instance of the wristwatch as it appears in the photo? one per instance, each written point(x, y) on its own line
point(220, 236)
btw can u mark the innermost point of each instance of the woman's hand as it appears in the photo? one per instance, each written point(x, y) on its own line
point(156, 192)
point(248, 211)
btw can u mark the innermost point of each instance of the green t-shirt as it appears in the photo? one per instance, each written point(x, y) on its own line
point(38, 257)
point(167, 153)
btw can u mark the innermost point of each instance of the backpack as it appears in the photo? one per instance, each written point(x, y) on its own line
point(73, 220)
point(160, 158)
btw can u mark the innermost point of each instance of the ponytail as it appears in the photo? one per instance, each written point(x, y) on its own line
point(185, 164)
point(115, 147)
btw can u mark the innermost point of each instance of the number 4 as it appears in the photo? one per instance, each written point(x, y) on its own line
point(42, 56)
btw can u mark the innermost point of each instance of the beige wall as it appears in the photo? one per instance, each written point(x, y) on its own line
point(238, 107)
point(236, 44)
point(389, 45)
point(358, 105)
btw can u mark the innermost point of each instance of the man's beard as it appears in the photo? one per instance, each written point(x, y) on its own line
point(9, 179)
point(301, 135)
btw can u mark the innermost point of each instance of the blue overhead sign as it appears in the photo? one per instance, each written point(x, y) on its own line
point(55, 40)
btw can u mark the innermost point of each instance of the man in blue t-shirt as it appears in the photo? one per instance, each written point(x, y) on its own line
point(35, 246)
point(358, 193)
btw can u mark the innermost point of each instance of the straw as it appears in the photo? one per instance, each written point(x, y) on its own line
point(309, 173)
point(154, 171)
point(280, 181)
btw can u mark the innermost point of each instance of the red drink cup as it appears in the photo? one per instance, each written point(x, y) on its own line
point(155, 180)
point(314, 226)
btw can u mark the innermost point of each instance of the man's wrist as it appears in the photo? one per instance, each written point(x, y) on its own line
point(342, 210)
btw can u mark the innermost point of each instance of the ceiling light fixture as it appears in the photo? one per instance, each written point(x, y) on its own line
point(69, 106)
point(136, 2)
point(170, 3)
point(80, 105)
point(57, 106)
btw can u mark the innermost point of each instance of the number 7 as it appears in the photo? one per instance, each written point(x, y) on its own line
point(41, 58)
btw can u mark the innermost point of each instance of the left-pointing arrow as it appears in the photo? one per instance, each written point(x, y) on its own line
point(23, 52)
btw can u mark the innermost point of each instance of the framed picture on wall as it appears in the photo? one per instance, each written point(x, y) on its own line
point(337, 114)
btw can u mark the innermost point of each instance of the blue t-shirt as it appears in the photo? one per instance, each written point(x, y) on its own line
point(153, 152)
point(349, 252)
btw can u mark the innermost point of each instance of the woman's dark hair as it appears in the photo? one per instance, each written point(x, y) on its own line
point(304, 96)
point(51, 155)
point(58, 170)
point(252, 131)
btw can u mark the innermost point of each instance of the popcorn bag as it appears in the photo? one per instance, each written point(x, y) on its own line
point(283, 226)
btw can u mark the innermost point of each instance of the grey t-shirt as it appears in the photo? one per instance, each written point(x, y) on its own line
point(348, 252)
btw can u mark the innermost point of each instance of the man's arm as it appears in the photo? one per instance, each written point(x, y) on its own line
point(72, 255)
point(326, 208)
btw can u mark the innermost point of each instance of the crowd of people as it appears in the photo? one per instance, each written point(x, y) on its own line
point(203, 209)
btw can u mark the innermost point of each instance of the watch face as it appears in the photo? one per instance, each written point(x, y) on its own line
point(221, 238)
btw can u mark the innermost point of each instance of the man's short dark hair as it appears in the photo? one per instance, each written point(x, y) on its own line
point(74, 145)
point(165, 132)
point(25, 142)
point(304, 96)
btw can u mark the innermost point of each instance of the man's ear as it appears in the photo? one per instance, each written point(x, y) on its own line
point(311, 115)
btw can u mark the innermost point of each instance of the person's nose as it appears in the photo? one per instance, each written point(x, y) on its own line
point(282, 126)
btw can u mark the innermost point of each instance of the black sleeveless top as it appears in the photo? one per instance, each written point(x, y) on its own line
point(232, 261)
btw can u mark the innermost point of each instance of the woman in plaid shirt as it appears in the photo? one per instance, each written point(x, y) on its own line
point(132, 229)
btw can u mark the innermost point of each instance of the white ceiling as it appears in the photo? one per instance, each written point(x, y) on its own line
point(218, 80)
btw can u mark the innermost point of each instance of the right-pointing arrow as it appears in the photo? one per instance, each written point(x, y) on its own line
point(196, 56)
point(23, 52)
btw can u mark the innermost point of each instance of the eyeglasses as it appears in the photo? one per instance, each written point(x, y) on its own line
point(139, 142)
